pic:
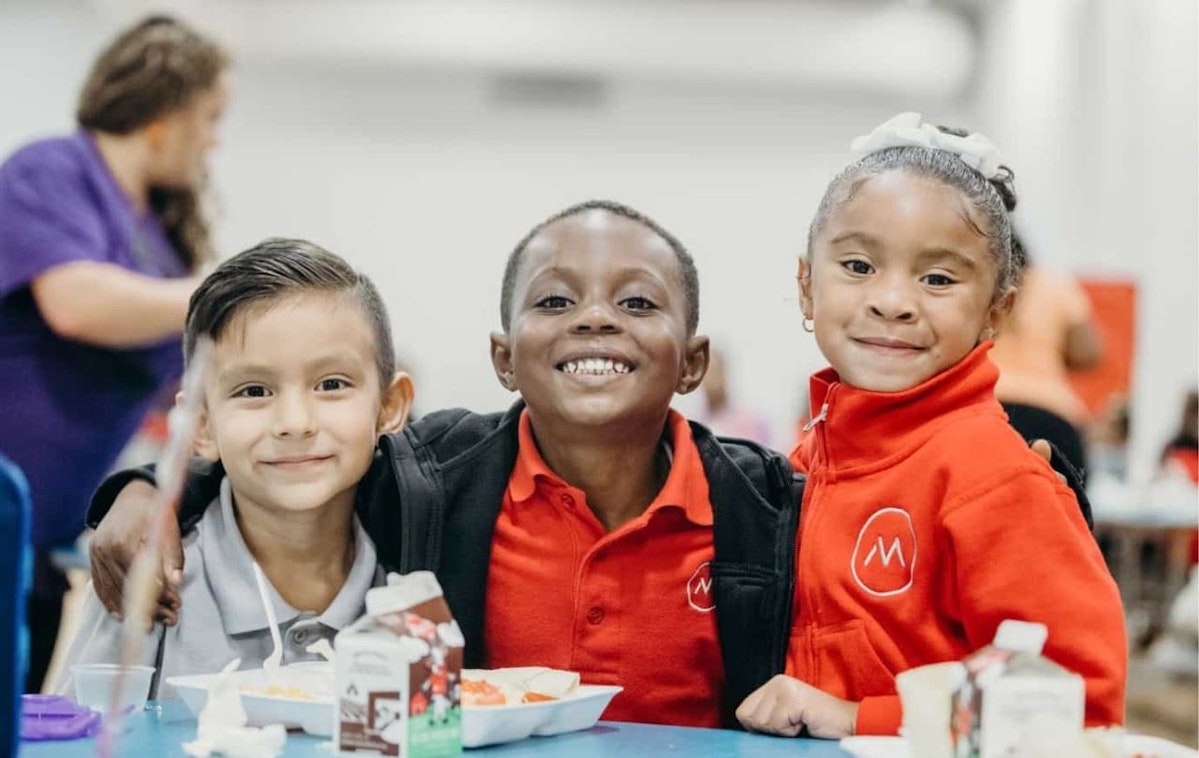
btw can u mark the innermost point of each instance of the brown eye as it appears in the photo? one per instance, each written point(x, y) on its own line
point(552, 302)
point(333, 385)
point(638, 304)
point(856, 266)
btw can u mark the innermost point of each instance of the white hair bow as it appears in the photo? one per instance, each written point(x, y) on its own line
point(905, 129)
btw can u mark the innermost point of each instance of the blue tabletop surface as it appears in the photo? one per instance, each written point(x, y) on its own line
point(161, 730)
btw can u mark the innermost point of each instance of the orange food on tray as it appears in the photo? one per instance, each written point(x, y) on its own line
point(516, 686)
point(481, 692)
point(536, 697)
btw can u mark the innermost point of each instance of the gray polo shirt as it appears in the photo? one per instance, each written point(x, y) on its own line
point(222, 617)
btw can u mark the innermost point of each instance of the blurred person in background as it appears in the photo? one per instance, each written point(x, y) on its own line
point(1107, 441)
point(1180, 457)
point(1048, 334)
point(101, 240)
point(723, 416)
point(1181, 453)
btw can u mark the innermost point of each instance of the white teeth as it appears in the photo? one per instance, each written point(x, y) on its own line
point(595, 366)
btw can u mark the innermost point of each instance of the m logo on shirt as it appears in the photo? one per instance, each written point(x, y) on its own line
point(884, 557)
point(699, 589)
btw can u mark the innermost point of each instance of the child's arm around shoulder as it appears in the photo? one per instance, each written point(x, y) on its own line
point(1021, 549)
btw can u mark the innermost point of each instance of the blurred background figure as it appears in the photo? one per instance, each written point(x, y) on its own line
point(101, 239)
point(1048, 333)
point(1107, 442)
point(1174, 640)
point(721, 413)
point(1181, 453)
point(1180, 464)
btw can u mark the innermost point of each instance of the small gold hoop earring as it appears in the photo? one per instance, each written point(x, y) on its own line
point(809, 325)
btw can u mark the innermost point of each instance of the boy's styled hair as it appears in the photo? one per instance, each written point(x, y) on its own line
point(992, 199)
point(686, 263)
point(271, 270)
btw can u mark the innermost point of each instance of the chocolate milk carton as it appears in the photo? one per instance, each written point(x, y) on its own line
point(398, 673)
point(1010, 690)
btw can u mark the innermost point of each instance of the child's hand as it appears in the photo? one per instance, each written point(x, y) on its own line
point(1041, 448)
point(121, 534)
point(785, 706)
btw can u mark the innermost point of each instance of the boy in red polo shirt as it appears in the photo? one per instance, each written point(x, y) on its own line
point(926, 521)
point(606, 512)
point(590, 528)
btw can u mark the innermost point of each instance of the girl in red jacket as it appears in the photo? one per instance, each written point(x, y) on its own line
point(927, 520)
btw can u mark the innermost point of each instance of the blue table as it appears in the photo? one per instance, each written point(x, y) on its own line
point(161, 730)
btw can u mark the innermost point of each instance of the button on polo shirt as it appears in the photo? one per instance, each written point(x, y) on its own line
point(631, 607)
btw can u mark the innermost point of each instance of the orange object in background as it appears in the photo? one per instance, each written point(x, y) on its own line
point(154, 428)
point(1113, 306)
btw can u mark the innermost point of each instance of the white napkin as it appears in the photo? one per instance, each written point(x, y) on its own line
point(221, 727)
point(322, 648)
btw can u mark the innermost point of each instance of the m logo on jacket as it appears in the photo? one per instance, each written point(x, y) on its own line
point(884, 558)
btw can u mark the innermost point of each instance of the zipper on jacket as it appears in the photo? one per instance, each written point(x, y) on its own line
point(817, 418)
point(815, 481)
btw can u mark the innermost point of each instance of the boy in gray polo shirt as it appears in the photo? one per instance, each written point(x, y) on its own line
point(301, 385)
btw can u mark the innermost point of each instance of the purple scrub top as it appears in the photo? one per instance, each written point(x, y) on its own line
point(66, 408)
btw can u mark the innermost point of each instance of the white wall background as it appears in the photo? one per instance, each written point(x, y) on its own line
point(1095, 105)
point(421, 176)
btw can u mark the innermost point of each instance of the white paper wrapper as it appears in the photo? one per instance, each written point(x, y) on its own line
point(221, 727)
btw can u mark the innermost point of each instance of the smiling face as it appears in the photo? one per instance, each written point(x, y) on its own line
point(598, 333)
point(293, 405)
point(900, 285)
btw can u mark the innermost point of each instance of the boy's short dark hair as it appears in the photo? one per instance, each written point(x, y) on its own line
point(686, 263)
point(273, 269)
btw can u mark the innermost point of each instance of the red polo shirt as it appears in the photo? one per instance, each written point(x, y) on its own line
point(630, 607)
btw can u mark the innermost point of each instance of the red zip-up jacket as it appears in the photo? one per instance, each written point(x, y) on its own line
point(926, 522)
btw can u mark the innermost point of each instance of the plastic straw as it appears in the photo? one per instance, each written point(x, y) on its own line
point(142, 583)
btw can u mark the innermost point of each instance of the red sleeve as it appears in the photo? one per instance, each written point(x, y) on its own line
point(879, 715)
point(1021, 550)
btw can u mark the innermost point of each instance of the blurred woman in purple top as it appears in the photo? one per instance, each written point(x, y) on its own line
point(101, 238)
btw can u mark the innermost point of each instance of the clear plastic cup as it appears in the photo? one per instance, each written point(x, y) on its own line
point(94, 683)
